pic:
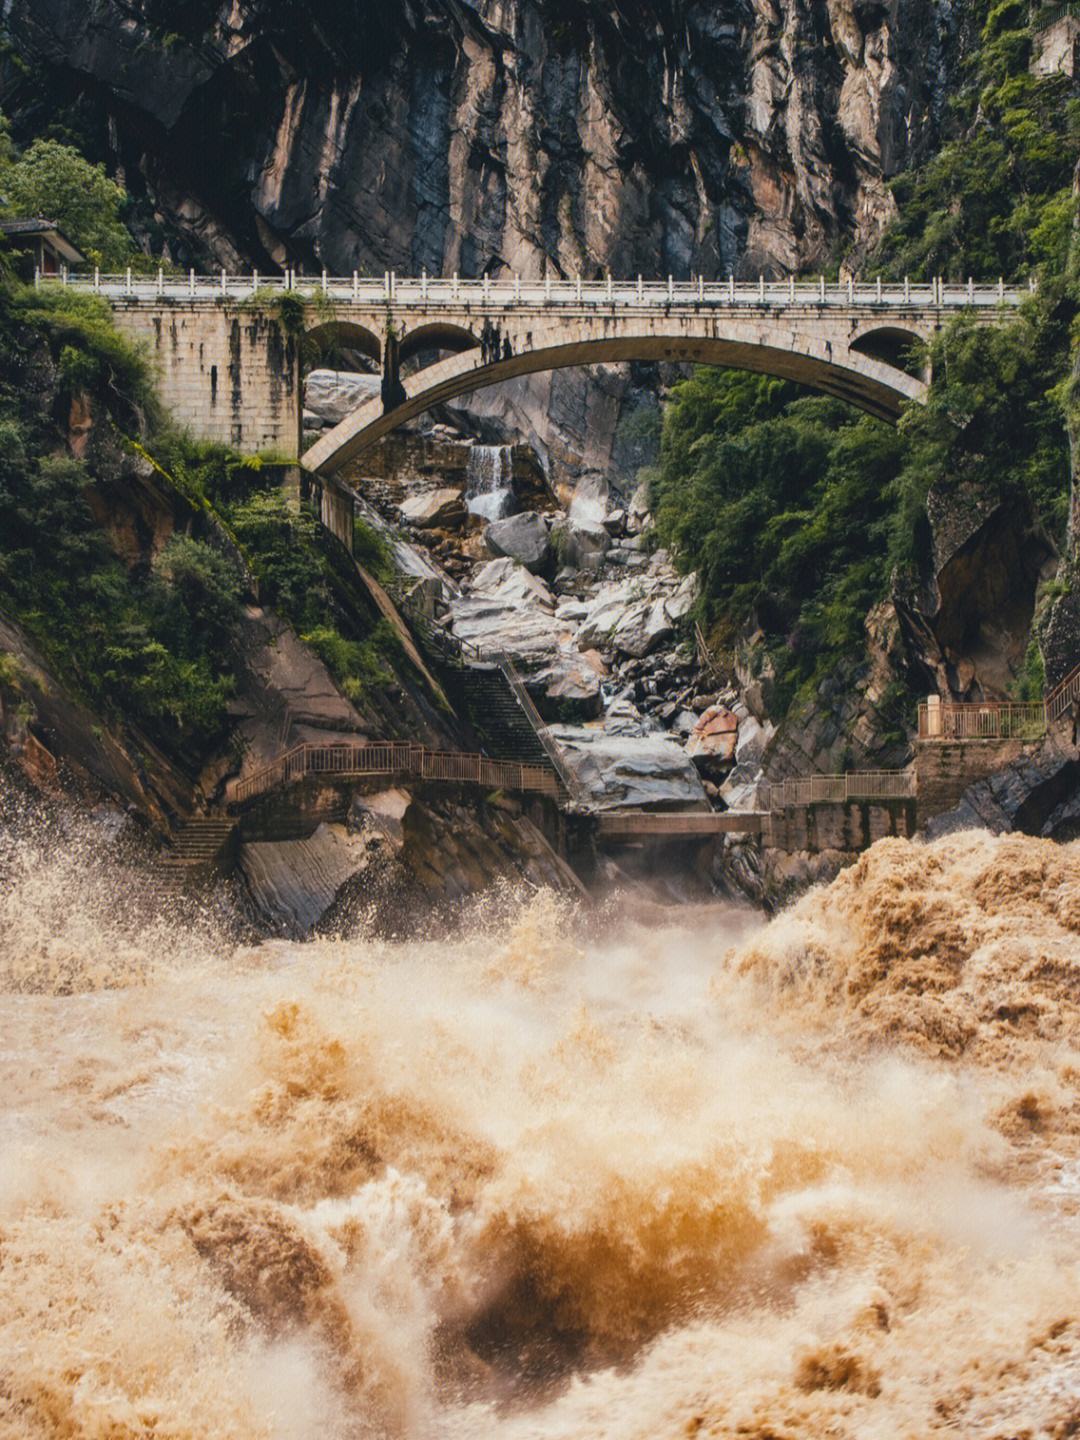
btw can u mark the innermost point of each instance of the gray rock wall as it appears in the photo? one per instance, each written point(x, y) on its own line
point(662, 136)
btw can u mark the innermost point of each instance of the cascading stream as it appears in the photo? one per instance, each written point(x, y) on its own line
point(489, 481)
point(641, 1173)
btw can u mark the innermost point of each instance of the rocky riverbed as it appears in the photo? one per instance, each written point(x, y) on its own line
point(595, 618)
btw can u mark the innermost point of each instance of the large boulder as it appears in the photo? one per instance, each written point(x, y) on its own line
point(713, 741)
point(581, 544)
point(606, 610)
point(520, 537)
point(591, 499)
point(442, 509)
point(504, 580)
point(643, 771)
point(331, 395)
point(507, 608)
point(572, 684)
point(644, 626)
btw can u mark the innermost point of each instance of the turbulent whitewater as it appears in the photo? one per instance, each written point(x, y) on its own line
point(642, 1174)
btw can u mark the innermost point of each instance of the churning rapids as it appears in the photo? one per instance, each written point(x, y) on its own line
point(565, 1175)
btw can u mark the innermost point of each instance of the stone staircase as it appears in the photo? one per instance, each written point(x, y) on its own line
point(496, 700)
point(498, 717)
point(199, 849)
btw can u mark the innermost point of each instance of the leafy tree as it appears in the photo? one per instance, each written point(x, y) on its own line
point(55, 181)
point(781, 500)
point(196, 595)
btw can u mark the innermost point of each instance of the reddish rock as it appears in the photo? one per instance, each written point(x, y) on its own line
point(37, 763)
point(80, 423)
point(716, 747)
point(717, 720)
point(712, 744)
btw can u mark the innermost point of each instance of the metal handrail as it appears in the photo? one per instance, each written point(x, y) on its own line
point(390, 757)
point(430, 293)
point(837, 789)
point(572, 784)
point(1062, 695)
point(1043, 19)
point(983, 720)
point(465, 651)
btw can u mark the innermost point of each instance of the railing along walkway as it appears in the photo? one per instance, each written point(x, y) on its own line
point(998, 719)
point(389, 758)
point(461, 652)
point(1043, 19)
point(838, 789)
point(1062, 696)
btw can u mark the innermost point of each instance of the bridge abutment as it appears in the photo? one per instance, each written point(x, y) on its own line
point(226, 370)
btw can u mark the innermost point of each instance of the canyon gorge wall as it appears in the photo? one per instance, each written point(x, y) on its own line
point(535, 136)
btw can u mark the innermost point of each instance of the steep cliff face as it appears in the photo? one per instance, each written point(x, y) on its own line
point(612, 134)
point(540, 136)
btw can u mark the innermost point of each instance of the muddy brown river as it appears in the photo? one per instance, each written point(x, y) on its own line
point(639, 1173)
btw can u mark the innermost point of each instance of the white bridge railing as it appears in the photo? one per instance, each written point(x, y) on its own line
point(427, 293)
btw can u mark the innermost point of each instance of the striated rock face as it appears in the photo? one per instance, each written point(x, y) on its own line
point(987, 560)
point(533, 135)
point(1035, 795)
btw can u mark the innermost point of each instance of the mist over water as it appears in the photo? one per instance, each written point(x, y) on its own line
point(634, 1173)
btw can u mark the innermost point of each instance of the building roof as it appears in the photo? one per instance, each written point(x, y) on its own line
point(46, 230)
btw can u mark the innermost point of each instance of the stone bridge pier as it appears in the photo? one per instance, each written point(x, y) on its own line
point(228, 351)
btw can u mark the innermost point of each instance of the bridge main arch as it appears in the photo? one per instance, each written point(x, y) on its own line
point(827, 362)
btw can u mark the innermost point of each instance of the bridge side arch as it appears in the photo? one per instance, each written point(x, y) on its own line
point(345, 335)
point(862, 380)
point(893, 345)
point(438, 335)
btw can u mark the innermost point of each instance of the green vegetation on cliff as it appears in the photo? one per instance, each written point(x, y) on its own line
point(805, 514)
point(148, 639)
point(142, 622)
point(53, 180)
point(997, 199)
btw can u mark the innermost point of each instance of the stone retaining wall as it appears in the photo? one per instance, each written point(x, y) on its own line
point(225, 372)
point(854, 825)
point(945, 769)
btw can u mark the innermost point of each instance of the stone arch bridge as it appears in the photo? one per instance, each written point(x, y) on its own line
point(228, 350)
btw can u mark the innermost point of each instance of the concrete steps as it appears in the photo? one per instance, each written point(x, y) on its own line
point(495, 712)
point(201, 847)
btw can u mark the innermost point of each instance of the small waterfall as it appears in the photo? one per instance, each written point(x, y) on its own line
point(489, 481)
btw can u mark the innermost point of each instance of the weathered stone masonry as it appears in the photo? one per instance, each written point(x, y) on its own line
point(230, 372)
point(226, 371)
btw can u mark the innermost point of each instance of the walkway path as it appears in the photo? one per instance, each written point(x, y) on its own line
point(942, 720)
point(348, 761)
